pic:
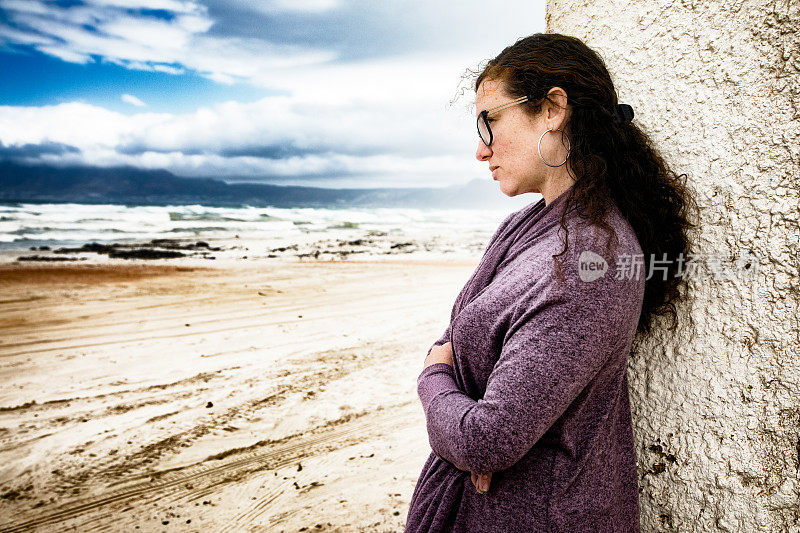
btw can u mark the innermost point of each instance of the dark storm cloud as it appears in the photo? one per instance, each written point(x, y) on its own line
point(286, 151)
point(16, 151)
point(272, 151)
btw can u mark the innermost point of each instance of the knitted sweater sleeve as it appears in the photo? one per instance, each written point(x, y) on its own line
point(550, 353)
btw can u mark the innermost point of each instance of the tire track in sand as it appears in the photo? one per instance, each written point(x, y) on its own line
point(186, 484)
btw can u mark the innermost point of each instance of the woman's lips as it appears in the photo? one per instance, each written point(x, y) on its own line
point(493, 169)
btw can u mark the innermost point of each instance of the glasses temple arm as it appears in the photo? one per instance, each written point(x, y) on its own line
point(519, 100)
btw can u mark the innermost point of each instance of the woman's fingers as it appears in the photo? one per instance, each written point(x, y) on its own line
point(481, 482)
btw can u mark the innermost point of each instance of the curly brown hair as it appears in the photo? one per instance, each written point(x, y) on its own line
point(609, 159)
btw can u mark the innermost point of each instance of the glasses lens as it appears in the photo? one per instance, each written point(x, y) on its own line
point(483, 129)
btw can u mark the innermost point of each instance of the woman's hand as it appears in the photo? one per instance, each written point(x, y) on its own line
point(481, 482)
point(440, 354)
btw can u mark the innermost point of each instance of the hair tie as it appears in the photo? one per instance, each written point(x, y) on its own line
point(623, 113)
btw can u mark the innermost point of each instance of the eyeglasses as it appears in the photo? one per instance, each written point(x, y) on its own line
point(484, 131)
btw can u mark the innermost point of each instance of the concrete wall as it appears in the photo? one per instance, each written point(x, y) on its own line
point(716, 407)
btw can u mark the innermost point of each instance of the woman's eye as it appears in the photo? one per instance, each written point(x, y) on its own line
point(489, 120)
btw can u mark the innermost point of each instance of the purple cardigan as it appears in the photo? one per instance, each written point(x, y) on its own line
point(538, 393)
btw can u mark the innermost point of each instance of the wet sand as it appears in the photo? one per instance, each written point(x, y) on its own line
point(260, 395)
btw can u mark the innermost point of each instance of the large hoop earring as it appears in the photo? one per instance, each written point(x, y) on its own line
point(539, 147)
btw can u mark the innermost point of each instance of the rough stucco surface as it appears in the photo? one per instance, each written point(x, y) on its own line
point(716, 405)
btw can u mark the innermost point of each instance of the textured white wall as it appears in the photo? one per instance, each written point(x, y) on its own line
point(717, 407)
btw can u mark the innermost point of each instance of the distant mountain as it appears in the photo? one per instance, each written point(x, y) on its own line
point(128, 185)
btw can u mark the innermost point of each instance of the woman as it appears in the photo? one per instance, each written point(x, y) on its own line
point(526, 393)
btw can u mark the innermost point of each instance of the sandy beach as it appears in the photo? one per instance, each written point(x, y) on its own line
point(230, 395)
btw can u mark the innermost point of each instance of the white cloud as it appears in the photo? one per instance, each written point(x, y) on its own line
point(150, 36)
point(279, 137)
point(109, 30)
point(384, 118)
point(117, 31)
point(295, 124)
point(166, 5)
point(130, 99)
point(11, 35)
point(77, 124)
point(69, 56)
point(169, 69)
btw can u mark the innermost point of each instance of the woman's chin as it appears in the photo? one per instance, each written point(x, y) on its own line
point(508, 191)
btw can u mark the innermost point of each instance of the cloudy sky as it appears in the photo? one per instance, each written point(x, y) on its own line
point(335, 93)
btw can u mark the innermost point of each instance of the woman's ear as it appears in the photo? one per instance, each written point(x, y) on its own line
point(555, 107)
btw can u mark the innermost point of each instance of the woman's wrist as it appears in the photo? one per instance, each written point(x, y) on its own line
point(434, 379)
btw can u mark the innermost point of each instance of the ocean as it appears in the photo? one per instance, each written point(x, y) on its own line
point(27, 225)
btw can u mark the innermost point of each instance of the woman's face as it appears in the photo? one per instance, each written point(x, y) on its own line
point(513, 157)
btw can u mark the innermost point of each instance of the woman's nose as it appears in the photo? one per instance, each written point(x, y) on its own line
point(484, 152)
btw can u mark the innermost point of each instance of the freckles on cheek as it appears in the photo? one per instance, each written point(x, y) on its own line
point(515, 147)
